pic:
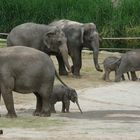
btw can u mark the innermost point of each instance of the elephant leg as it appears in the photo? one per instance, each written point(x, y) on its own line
point(63, 107)
point(128, 75)
point(115, 74)
point(53, 108)
point(45, 92)
point(6, 90)
point(107, 72)
point(121, 70)
point(67, 105)
point(119, 74)
point(123, 77)
point(133, 76)
point(77, 64)
point(38, 104)
point(62, 69)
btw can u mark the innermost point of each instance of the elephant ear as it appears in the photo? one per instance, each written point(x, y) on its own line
point(89, 26)
point(87, 29)
point(47, 38)
point(51, 36)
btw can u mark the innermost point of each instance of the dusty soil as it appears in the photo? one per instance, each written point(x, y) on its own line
point(111, 110)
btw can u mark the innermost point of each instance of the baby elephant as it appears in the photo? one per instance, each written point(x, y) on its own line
point(63, 94)
point(111, 64)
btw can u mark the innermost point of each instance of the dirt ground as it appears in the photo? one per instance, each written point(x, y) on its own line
point(111, 110)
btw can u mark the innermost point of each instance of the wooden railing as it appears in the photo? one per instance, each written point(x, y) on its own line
point(3, 41)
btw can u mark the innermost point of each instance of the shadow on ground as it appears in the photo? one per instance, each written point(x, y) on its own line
point(120, 115)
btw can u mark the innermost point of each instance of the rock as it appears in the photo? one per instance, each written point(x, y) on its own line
point(1, 132)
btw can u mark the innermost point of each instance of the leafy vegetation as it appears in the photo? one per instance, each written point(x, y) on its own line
point(113, 19)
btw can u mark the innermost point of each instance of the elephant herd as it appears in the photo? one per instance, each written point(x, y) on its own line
point(129, 62)
point(26, 66)
point(60, 38)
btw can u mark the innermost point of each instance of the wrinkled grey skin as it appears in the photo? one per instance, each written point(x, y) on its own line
point(130, 61)
point(78, 35)
point(65, 95)
point(50, 40)
point(111, 64)
point(26, 70)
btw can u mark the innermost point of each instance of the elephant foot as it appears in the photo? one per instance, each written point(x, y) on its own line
point(76, 76)
point(108, 80)
point(53, 111)
point(135, 79)
point(36, 113)
point(63, 73)
point(117, 80)
point(63, 111)
point(45, 114)
point(13, 115)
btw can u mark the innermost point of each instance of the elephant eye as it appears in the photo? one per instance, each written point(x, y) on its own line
point(59, 42)
point(91, 38)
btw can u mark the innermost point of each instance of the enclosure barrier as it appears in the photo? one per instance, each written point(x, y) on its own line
point(121, 38)
point(2, 41)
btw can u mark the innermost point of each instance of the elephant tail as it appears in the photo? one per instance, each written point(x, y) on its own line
point(60, 79)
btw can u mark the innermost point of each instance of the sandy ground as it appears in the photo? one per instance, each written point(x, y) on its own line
point(111, 111)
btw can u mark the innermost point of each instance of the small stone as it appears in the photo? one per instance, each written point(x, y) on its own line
point(1, 132)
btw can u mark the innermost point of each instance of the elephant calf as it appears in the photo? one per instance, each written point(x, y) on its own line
point(65, 95)
point(111, 64)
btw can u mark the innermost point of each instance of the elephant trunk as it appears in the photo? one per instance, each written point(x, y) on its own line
point(64, 52)
point(95, 59)
point(95, 48)
point(79, 107)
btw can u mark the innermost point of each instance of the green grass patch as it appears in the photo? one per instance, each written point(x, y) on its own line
point(29, 122)
point(2, 43)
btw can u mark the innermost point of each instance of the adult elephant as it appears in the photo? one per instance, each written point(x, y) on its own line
point(130, 61)
point(26, 70)
point(49, 39)
point(78, 35)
